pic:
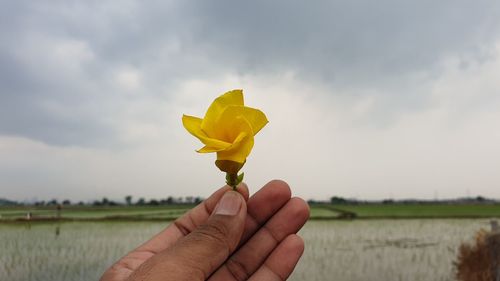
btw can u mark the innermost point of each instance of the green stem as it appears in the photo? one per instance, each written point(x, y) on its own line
point(232, 180)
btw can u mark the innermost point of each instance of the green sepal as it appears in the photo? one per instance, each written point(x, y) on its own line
point(240, 178)
point(233, 179)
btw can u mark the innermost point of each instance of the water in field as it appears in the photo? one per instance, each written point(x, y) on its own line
point(335, 250)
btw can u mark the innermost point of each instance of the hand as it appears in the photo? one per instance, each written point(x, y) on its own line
point(224, 238)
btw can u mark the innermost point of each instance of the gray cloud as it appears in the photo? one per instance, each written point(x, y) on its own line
point(351, 46)
point(360, 41)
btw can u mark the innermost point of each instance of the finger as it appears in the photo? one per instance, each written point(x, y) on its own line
point(282, 261)
point(189, 221)
point(261, 207)
point(250, 256)
point(197, 255)
point(263, 204)
point(161, 241)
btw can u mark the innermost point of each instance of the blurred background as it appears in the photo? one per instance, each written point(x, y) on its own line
point(367, 100)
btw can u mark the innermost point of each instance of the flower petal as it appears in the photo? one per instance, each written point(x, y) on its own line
point(256, 118)
point(208, 149)
point(230, 124)
point(193, 126)
point(239, 150)
point(234, 97)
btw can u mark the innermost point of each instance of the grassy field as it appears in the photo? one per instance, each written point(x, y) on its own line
point(413, 249)
point(419, 210)
point(168, 212)
point(318, 211)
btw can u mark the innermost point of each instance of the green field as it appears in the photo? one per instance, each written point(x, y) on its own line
point(318, 211)
point(420, 210)
point(95, 213)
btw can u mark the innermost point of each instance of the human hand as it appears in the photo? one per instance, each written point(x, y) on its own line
point(224, 238)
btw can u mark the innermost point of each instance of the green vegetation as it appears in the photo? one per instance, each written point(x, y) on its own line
point(318, 211)
point(122, 212)
point(415, 210)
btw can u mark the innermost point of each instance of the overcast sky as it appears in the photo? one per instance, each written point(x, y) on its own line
point(366, 99)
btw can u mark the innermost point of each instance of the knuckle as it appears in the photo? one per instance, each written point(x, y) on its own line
point(237, 269)
point(215, 232)
point(182, 226)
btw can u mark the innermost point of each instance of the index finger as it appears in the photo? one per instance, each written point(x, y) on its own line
point(188, 222)
point(125, 266)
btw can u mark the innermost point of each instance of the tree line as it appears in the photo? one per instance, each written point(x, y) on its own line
point(128, 201)
point(337, 200)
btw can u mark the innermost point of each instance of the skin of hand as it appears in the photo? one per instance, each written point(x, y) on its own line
point(226, 237)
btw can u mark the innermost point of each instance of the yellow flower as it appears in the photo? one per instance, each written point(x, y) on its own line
point(228, 128)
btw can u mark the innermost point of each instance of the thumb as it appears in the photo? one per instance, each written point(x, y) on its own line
point(200, 253)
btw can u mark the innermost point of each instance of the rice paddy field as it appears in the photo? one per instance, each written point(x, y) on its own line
point(344, 250)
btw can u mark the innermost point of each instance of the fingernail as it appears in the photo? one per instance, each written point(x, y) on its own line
point(229, 205)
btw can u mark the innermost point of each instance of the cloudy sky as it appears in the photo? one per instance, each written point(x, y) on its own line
point(366, 99)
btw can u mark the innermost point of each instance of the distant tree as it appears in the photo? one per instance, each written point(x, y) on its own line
point(6, 202)
point(53, 202)
point(96, 203)
point(40, 203)
point(105, 201)
point(141, 202)
point(81, 203)
point(170, 200)
point(337, 200)
point(153, 202)
point(66, 202)
point(388, 201)
point(197, 200)
point(128, 199)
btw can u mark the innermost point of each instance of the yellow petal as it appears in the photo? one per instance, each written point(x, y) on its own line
point(193, 126)
point(256, 118)
point(234, 97)
point(228, 127)
point(239, 150)
point(208, 149)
